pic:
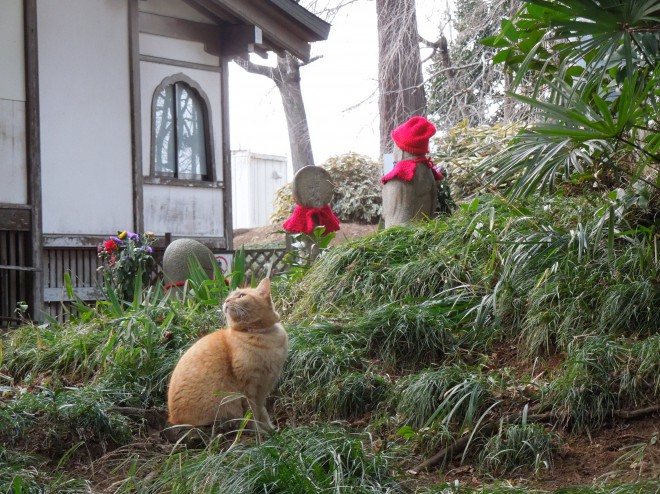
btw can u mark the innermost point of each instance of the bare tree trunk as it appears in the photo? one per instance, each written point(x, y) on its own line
point(286, 77)
point(288, 82)
point(399, 66)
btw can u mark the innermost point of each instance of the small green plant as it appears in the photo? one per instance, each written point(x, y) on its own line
point(633, 456)
point(409, 334)
point(305, 250)
point(28, 474)
point(320, 356)
point(452, 395)
point(518, 447)
point(126, 258)
point(209, 291)
point(354, 395)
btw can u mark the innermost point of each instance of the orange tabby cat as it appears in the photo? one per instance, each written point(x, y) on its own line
point(213, 379)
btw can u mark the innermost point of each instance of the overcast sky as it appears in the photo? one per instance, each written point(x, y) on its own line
point(339, 90)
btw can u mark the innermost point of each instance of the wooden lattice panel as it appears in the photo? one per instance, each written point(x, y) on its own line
point(259, 261)
point(15, 272)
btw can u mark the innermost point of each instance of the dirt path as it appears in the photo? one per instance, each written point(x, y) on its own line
point(273, 236)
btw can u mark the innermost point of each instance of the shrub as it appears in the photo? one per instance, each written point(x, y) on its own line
point(357, 196)
point(458, 153)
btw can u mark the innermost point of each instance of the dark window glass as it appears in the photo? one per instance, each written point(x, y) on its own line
point(180, 134)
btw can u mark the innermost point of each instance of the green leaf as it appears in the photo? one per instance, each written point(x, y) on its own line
point(238, 270)
point(501, 56)
point(407, 432)
point(495, 42)
point(67, 284)
point(509, 30)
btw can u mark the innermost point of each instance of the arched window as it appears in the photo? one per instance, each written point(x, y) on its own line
point(181, 131)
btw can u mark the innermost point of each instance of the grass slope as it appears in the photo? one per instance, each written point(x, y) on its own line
point(518, 332)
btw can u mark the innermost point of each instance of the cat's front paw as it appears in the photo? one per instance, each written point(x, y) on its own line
point(266, 427)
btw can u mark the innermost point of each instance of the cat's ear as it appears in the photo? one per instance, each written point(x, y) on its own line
point(263, 288)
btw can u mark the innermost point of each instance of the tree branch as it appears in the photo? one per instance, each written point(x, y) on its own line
point(254, 68)
point(313, 59)
point(632, 414)
point(460, 445)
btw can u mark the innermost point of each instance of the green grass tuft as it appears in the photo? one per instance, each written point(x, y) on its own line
point(298, 460)
point(518, 447)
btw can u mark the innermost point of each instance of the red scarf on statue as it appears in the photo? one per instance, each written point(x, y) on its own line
point(405, 170)
point(303, 220)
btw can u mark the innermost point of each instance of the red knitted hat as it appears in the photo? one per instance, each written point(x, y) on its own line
point(413, 136)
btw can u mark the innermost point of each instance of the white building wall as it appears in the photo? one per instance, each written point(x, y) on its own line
point(13, 184)
point(178, 210)
point(255, 179)
point(85, 116)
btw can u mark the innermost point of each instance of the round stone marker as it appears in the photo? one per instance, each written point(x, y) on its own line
point(177, 256)
point(312, 187)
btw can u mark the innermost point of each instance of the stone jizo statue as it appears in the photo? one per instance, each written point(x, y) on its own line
point(410, 192)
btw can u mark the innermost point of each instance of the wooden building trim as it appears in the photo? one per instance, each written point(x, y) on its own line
point(64, 241)
point(9, 267)
point(73, 241)
point(15, 218)
point(136, 115)
point(172, 27)
point(222, 41)
point(226, 155)
point(319, 29)
point(59, 294)
point(286, 25)
point(278, 30)
point(238, 41)
point(180, 182)
point(180, 63)
point(33, 147)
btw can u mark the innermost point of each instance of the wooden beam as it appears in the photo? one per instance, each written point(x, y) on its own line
point(318, 28)
point(180, 63)
point(93, 241)
point(73, 241)
point(16, 219)
point(82, 292)
point(226, 156)
point(171, 27)
point(136, 114)
point(237, 40)
point(33, 144)
point(276, 26)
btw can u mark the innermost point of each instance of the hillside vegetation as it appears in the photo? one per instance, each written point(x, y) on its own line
point(515, 333)
point(512, 346)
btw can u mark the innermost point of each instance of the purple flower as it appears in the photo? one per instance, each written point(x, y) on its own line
point(132, 236)
point(117, 240)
